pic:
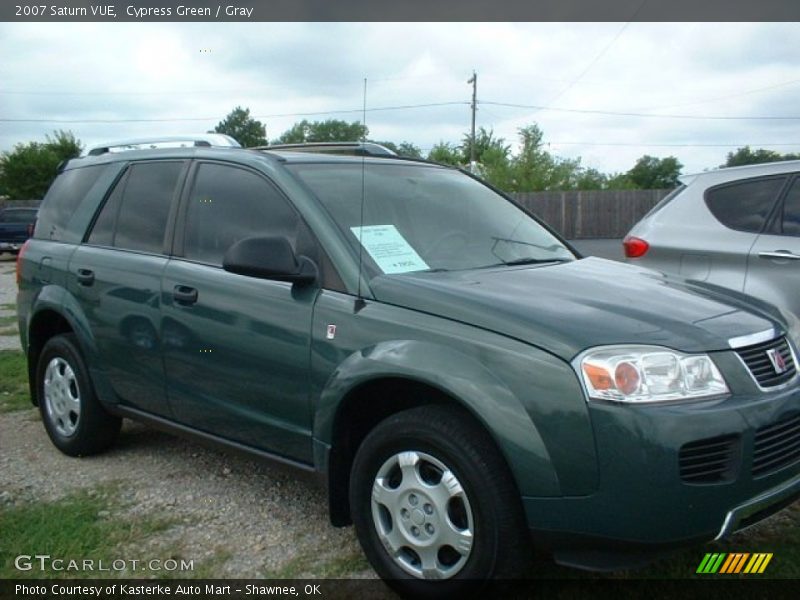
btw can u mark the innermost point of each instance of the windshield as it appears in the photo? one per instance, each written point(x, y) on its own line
point(427, 218)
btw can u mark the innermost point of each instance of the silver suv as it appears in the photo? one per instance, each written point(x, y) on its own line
point(737, 227)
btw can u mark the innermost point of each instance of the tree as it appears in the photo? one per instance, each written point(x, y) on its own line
point(591, 179)
point(535, 169)
point(332, 130)
point(27, 171)
point(746, 156)
point(243, 128)
point(651, 173)
point(64, 144)
point(408, 149)
point(484, 142)
point(402, 149)
point(445, 153)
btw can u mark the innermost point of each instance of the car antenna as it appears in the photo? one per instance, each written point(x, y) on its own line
point(360, 303)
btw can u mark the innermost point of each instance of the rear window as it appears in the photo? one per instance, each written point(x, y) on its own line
point(665, 200)
point(745, 205)
point(63, 198)
point(18, 215)
point(135, 215)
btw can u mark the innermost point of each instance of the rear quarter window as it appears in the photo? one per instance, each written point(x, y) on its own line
point(744, 205)
point(63, 198)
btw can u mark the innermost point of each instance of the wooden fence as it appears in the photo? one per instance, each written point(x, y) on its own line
point(591, 214)
point(18, 203)
point(575, 215)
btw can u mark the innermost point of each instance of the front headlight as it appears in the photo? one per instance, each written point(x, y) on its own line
point(648, 374)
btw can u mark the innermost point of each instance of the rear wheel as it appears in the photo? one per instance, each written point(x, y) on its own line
point(434, 504)
point(76, 422)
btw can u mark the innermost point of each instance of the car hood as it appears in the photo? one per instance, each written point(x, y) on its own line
point(565, 308)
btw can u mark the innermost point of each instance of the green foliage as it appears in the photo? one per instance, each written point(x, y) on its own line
point(409, 149)
point(445, 153)
point(591, 179)
point(402, 149)
point(27, 171)
point(14, 393)
point(651, 173)
point(69, 528)
point(746, 156)
point(243, 128)
point(332, 130)
point(486, 146)
point(535, 169)
point(619, 181)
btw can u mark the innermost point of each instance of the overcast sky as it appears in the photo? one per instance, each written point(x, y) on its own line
point(117, 72)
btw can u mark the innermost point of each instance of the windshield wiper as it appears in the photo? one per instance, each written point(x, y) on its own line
point(527, 261)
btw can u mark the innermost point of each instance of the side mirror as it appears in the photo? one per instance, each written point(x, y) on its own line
point(269, 258)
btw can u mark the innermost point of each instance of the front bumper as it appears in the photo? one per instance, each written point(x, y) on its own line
point(643, 499)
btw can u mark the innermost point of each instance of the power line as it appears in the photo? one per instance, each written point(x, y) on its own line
point(648, 115)
point(594, 61)
point(273, 116)
point(673, 145)
point(729, 96)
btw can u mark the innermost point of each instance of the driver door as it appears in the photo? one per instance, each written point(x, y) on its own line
point(236, 348)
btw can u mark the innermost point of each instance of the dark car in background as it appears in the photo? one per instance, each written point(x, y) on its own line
point(462, 381)
point(16, 226)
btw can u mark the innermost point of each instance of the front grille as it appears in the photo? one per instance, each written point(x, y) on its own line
point(713, 460)
point(776, 446)
point(761, 366)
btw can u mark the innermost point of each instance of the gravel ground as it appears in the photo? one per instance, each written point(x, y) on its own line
point(8, 295)
point(242, 517)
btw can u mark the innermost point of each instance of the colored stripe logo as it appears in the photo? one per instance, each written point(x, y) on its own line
point(734, 563)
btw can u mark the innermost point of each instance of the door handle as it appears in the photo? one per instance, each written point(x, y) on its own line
point(85, 277)
point(184, 294)
point(780, 255)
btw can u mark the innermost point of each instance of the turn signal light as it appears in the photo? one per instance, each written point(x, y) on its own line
point(19, 262)
point(635, 247)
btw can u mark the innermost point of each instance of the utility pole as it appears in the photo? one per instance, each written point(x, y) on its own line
point(474, 81)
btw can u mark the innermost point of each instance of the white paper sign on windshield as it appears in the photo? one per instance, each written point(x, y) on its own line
point(389, 249)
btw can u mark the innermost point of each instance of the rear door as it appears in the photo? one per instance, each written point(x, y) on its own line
point(744, 208)
point(116, 276)
point(773, 272)
point(237, 348)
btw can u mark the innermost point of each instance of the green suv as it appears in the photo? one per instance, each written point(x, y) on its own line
point(462, 381)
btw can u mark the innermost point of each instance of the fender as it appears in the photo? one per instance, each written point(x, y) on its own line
point(461, 377)
point(57, 299)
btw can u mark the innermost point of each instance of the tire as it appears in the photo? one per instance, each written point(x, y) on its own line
point(432, 498)
point(76, 422)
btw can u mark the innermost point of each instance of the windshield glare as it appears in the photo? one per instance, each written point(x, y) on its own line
point(427, 218)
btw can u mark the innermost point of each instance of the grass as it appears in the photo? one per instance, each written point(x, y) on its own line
point(309, 564)
point(8, 325)
point(14, 393)
point(74, 527)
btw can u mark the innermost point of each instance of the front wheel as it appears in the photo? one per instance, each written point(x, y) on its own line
point(76, 422)
point(434, 504)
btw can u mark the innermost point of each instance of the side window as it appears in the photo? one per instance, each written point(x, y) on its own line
point(790, 224)
point(63, 198)
point(744, 206)
point(135, 215)
point(228, 204)
point(103, 230)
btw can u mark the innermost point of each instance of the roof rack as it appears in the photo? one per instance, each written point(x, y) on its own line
point(351, 148)
point(207, 140)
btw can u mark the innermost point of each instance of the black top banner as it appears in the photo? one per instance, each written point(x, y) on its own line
point(400, 10)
